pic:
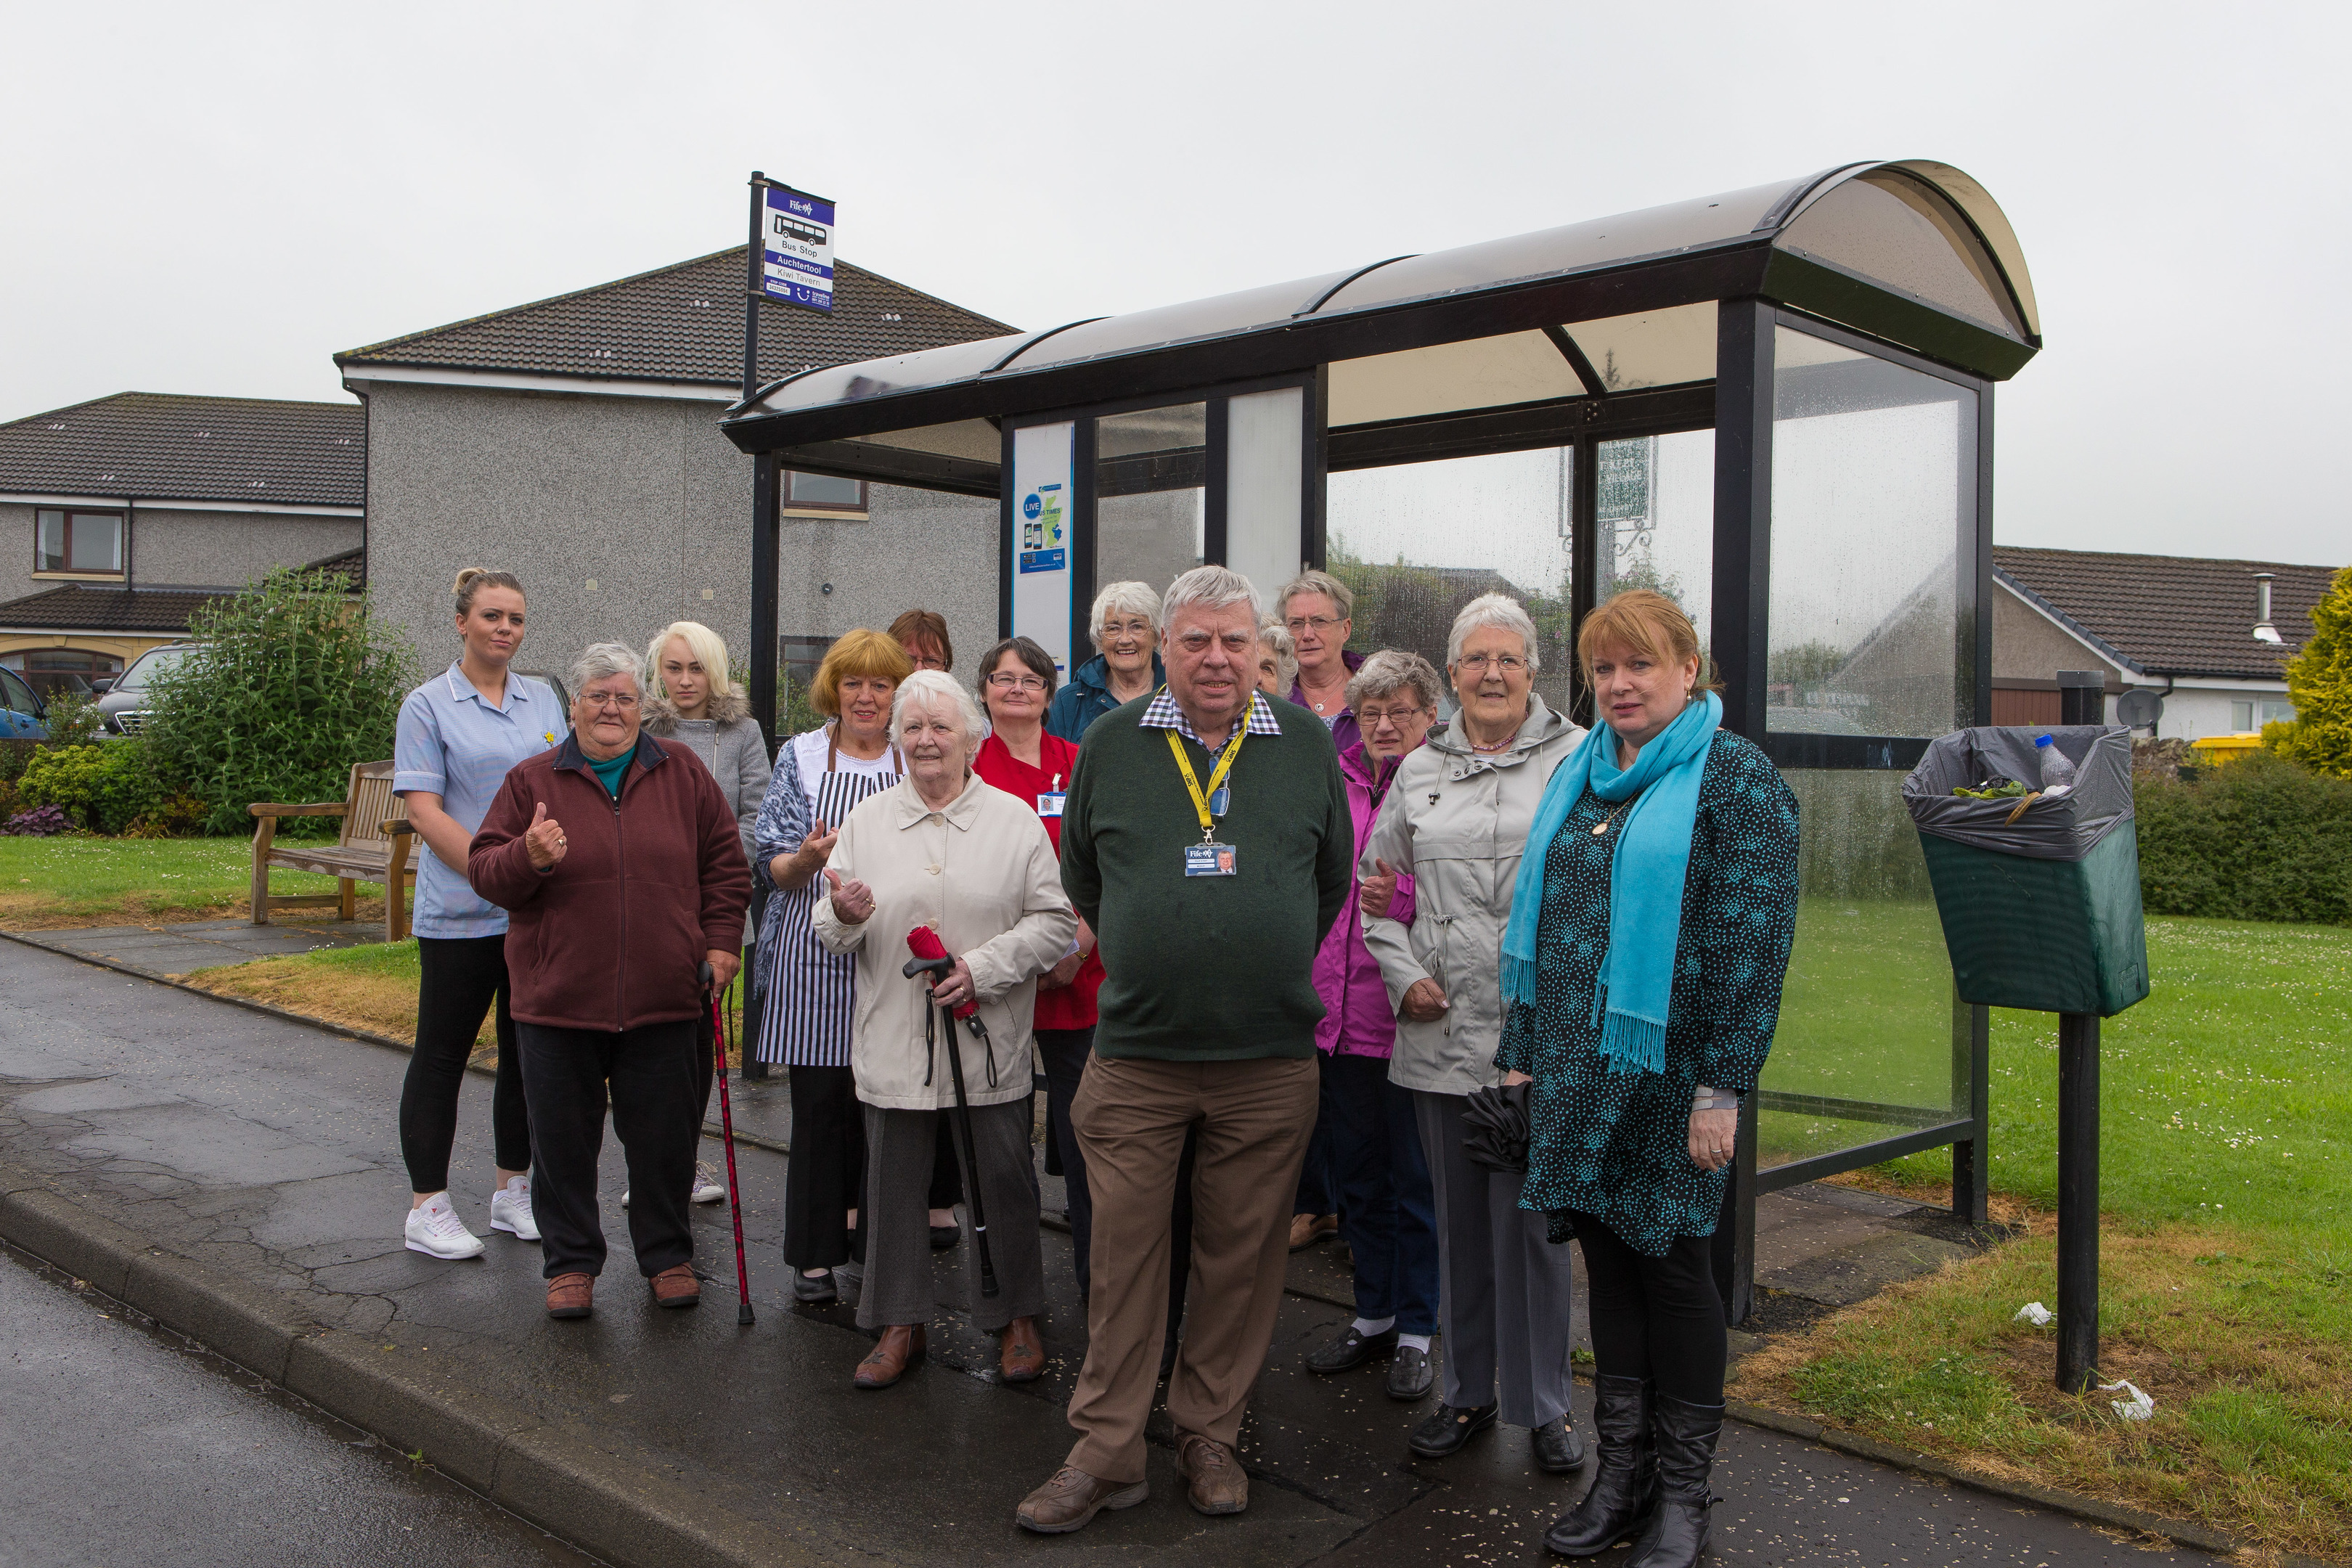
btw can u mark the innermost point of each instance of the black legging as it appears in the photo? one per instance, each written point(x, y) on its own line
point(1658, 1319)
point(460, 978)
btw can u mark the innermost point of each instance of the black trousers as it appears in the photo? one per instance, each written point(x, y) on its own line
point(461, 977)
point(651, 1076)
point(1065, 1052)
point(1658, 1319)
point(824, 1169)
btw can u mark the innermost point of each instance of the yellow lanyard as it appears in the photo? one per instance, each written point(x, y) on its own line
point(1216, 779)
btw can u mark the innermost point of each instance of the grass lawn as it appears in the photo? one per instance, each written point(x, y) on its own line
point(2226, 1258)
point(70, 881)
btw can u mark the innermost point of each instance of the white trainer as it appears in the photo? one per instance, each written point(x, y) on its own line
point(437, 1232)
point(707, 1187)
point(510, 1209)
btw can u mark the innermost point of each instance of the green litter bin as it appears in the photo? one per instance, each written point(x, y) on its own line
point(2041, 908)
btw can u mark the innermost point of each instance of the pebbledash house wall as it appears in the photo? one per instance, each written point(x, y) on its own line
point(187, 549)
point(641, 497)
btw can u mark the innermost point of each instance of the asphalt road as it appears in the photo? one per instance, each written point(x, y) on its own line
point(121, 1442)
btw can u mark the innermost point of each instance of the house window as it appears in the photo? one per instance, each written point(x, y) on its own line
point(818, 492)
point(2249, 716)
point(49, 670)
point(78, 542)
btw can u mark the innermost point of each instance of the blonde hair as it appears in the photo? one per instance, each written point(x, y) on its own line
point(864, 651)
point(708, 647)
point(473, 579)
point(1643, 620)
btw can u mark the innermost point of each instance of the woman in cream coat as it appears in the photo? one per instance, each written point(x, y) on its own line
point(943, 848)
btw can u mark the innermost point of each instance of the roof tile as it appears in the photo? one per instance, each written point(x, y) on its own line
point(159, 446)
point(79, 608)
point(2174, 614)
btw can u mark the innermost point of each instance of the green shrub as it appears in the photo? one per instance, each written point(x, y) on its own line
point(74, 719)
point(2261, 839)
point(13, 755)
point(2319, 679)
point(297, 681)
point(104, 788)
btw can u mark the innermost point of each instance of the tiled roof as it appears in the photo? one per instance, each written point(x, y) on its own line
point(2173, 614)
point(351, 563)
point(685, 323)
point(154, 446)
point(77, 607)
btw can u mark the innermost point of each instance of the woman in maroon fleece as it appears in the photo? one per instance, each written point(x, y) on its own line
point(605, 942)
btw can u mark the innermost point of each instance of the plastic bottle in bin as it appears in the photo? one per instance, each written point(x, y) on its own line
point(2057, 773)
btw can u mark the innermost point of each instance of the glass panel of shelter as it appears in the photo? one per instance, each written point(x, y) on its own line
point(1151, 475)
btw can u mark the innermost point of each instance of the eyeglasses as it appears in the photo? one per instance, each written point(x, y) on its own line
point(1016, 682)
point(1299, 624)
point(1476, 663)
point(604, 699)
point(1373, 718)
point(927, 661)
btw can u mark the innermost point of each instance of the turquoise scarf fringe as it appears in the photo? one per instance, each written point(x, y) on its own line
point(1645, 882)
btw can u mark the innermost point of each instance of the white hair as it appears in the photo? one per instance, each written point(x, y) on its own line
point(1129, 598)
point(601, 659)
point(1394, 669)
point(1208, 588)
point(1492, 610)
point(704, 644)
point(1276, 636)
point(930, 688)
point(1342, 597)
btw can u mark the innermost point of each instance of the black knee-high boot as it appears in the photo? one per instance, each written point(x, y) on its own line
point(1684, 1436)
point(1625, 1484)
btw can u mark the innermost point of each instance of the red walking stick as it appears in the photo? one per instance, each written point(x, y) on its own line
point(726, 1127)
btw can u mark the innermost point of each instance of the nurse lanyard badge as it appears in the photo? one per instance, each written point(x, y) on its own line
point(1208, 858)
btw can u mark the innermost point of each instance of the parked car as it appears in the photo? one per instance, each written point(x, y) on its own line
point(23, 715)
point(125, 705)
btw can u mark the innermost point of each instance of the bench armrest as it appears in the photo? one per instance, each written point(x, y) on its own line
point(400, 826)
point(328, 809)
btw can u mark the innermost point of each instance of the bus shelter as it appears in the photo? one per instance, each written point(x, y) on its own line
point(1774, 404)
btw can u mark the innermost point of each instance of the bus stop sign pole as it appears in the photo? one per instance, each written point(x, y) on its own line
point(2081, 700)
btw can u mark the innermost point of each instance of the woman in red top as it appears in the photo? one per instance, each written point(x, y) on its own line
point(1016, 683)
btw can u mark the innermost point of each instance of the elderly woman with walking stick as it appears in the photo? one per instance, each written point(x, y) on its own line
point(1649, 936)
point(945, 850)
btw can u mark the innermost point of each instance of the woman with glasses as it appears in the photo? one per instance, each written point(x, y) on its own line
point(1455, 820)
point(1125, 628)
point(1016, 682)
point(1315, 608)
point(924, 635)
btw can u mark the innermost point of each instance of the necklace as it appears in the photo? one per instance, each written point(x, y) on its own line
point(1601, 828)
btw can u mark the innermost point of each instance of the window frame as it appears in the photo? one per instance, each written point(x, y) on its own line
point(790, 506)
point(119, 517)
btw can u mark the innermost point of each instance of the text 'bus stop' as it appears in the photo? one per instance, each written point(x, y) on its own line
point(1773, 404)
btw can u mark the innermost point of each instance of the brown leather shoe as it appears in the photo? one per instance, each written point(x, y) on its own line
point(1021, 1354)
point(1072, 1499)
point(900, 1346)
point(571, 1295)
point(1306, 1230)
point(676, 1286)
point(1218, 1485)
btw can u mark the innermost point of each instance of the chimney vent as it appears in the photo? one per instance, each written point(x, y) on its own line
point(2263, 630)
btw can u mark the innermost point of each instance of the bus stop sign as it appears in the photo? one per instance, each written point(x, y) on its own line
point(796, 248)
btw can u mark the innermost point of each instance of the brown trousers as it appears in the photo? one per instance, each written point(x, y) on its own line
point(1131, 1117)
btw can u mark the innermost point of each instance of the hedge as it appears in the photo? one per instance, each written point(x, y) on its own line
point(2259, 839)
point(102, 787)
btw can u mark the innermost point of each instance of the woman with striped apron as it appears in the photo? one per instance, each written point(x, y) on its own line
point(807, 994)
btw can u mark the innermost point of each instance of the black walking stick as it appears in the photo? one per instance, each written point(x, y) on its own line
point(932, 963)
point(727, 1126)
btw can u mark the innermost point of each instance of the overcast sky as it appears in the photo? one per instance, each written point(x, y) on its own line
point(214, 199)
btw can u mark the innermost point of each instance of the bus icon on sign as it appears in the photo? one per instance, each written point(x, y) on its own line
point(788, 228)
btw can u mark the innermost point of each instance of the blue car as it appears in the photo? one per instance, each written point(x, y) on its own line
point(25, 717)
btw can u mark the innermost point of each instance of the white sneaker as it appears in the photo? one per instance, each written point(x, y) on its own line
point(707, 1187)
point(437, 1232)
point(510, 1209)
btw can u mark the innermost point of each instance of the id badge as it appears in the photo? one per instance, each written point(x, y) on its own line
point(1209, 860)
point(1219, 798)
point(1050, 805)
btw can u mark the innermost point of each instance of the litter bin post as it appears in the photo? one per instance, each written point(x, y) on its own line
point(2082, 697)
point(2078, 1201)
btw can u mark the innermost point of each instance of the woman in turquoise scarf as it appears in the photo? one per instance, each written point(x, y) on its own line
point(1642, 967)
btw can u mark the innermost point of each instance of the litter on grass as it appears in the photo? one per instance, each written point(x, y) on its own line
point(2034, 1312)
point(2139, 1408)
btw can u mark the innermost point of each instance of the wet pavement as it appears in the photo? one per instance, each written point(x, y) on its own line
point(184, 947)
point(122, 1444)
point(267, 1149)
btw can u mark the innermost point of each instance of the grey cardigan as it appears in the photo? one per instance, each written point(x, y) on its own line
point(730, 746)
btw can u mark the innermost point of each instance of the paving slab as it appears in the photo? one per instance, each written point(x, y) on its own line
point(182, 948)
point(265, 1152)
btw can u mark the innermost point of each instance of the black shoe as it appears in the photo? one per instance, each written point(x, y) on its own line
point(945, 1235)
point(1685, 1437)
point(1351, 1350)
point(1448, 1428)
point(1624, 1493)
point(1558, 1450)
point(1411, 1377)
point(816, 1290)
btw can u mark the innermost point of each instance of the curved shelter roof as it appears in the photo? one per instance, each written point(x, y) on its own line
point(1913, 253)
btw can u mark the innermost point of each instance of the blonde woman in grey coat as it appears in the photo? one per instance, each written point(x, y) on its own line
point(1455, 820)
point(689, 698)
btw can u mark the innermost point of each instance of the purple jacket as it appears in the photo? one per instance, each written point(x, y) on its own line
point(1356, 1019)
point(1344, 731)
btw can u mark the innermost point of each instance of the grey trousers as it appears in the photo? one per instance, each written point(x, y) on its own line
point(1503, 1289)
point(897, 1223)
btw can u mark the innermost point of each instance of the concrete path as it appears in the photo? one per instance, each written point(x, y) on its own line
point(181, 948)
point(266, 1150)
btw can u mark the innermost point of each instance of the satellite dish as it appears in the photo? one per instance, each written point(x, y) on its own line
point(2139, 708)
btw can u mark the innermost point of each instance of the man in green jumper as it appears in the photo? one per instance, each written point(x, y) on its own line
point(1206, 840)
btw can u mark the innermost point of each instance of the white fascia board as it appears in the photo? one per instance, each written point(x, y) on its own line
point(165, 503)
point(356, 378)
point(2227, 683)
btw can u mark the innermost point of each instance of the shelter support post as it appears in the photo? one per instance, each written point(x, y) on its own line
point(1733, 1252)
point(1972, 1155)
point(2078, 1201)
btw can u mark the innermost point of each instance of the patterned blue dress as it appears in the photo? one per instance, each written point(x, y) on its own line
point(1616, 1145)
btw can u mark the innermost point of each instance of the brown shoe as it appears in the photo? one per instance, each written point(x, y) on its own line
point(1218, 1485)
point(1072, 1499)
point(1306, 1230)
point(571, 1295)
point(676, 1286)
point(900, 1346)
point(1021, 1356)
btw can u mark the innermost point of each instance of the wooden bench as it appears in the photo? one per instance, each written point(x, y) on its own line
point(377, 845)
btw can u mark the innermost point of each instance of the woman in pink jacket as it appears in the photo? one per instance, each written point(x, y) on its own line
point(1387, 1214)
